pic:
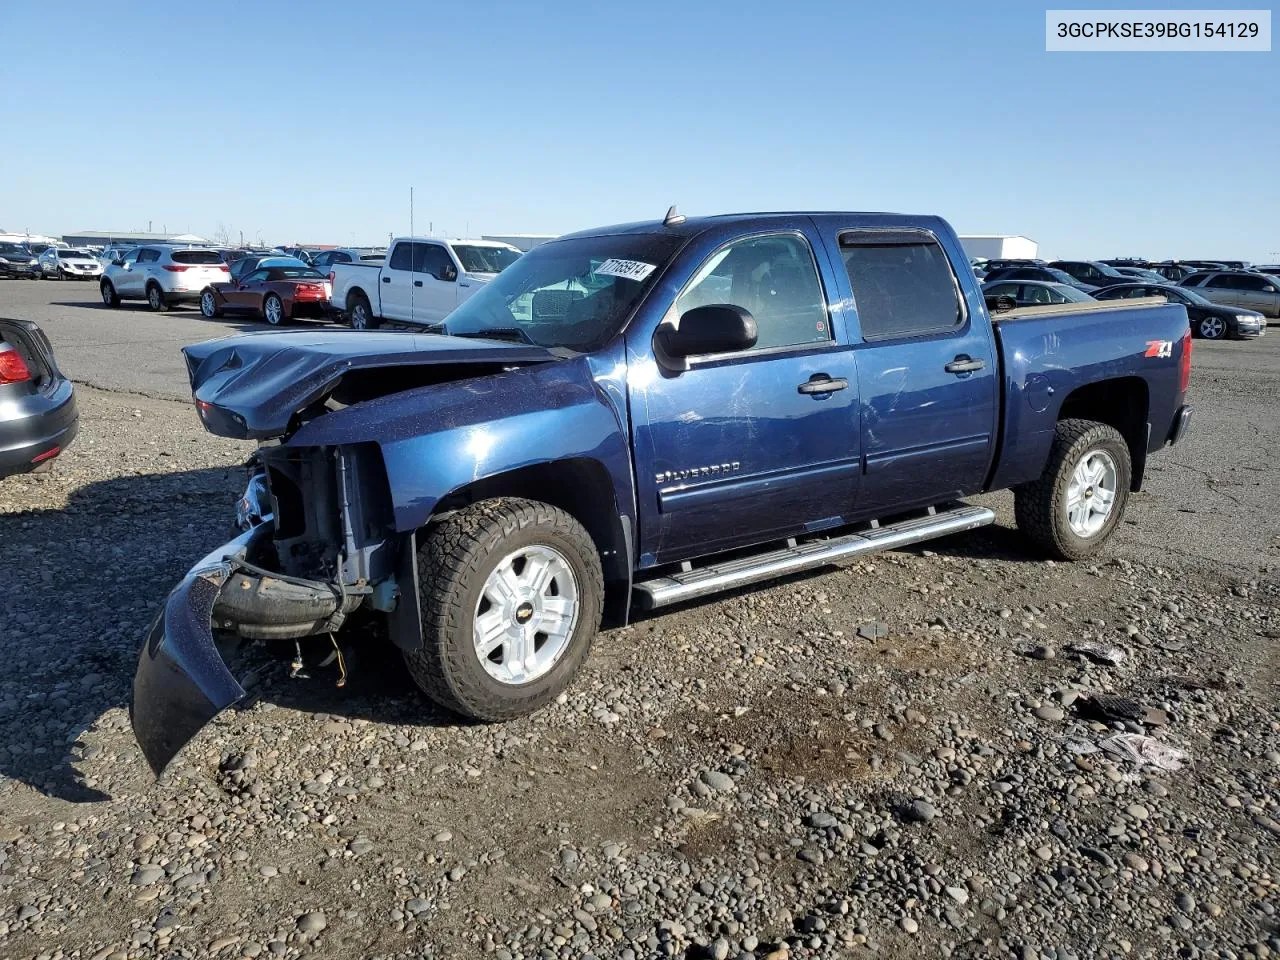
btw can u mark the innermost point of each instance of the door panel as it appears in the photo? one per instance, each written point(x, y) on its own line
point(730, 452)
point(927, 371)
point(738, 455)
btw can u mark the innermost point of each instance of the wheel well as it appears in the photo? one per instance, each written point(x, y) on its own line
point(354, 294)
point(1122, 403)
point(583, 489)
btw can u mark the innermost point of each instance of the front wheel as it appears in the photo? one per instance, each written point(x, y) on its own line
point(511, 594)
point(1075, 505)
point(1212, 328)
point(109, 295)
point(273, 310)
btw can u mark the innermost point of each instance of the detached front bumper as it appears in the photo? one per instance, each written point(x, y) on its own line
point(182, 682)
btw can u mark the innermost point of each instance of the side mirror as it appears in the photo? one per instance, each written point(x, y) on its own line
point(117, 262)
point(715, 328)
point(448, 273)
point(1001, 303)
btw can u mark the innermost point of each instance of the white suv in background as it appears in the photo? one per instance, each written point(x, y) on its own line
point(162, 275)
point(69, 264)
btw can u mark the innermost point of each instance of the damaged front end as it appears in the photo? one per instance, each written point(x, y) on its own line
point(298, 569)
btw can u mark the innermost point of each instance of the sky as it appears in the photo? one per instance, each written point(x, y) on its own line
point(309, 122)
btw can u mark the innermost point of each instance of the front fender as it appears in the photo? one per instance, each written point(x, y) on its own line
point(437, 439)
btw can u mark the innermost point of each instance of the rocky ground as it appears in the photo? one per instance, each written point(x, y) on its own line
point(903, 758)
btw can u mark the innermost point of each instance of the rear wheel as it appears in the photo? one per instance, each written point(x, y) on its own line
point(155, 298)
point(109, 295)
point(273, 310)
point(209, 305)
point(1075, 506)
point(1212, 328)
point(361, 314)
point(511, 594)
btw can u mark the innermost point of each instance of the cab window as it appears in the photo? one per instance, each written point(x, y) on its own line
point(775, 279)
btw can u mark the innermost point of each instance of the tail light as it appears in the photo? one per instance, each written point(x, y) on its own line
point(13, 369)
point(332, 274)
point(1184, 364)
point(308, 291)
point(224, 268)
point(176, 267)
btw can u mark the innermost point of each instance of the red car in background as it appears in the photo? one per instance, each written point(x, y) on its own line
point(276, 292)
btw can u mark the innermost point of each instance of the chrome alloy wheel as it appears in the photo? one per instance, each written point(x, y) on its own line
point(526, 614)
point(1212, 328)
point(208, 304)
point(273, 310)
point(1091, 493)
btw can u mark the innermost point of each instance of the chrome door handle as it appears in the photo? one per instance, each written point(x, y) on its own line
point(964, 364)
point(820, 383)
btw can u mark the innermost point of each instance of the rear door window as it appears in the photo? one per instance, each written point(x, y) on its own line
point(902, 284)
point(401, 257)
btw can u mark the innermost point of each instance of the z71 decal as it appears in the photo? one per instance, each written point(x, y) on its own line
point(1159, 348)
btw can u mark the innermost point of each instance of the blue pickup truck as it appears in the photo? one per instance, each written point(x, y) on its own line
point(643, 415)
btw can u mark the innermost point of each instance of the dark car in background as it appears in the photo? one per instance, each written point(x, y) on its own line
point(1090, 272)
point(1209, 320)
point(247, 264)
point(17, 260)
point(1140, 274)
point(1172, 270)
point(38, 418)
point(1042, 274)
point(1034, 293)
point(277, 293)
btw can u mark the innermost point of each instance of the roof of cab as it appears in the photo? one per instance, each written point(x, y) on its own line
point(692, 226)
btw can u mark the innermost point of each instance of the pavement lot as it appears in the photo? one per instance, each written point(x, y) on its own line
point(753, 776)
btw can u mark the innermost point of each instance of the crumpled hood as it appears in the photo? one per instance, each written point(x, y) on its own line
point(255, 386)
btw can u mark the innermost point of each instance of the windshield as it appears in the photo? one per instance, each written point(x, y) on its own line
point(14, 249)
point(1072, 294)
point(1061, 276)
point(485, 259)
point(1186, 296)
point(75, 254)
point(568, 293)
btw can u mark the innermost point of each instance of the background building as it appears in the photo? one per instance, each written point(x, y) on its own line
point(993, 246)
point(104, 237)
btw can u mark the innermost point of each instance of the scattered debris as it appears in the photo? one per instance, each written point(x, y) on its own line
point(1141, 750)
point(873, 631)
point(1108, 707)
point(1104, 653)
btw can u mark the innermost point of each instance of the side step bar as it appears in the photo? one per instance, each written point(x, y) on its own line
point(701, 581)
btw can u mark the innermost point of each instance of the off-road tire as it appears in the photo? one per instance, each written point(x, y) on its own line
point(454, 559)
point(1040, 507)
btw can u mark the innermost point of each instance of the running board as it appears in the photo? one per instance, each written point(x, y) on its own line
point(701, 581)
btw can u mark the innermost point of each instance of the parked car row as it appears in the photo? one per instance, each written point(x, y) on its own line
point(1230, 300)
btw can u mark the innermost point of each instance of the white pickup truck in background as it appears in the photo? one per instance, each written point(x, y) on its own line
point(422, 280)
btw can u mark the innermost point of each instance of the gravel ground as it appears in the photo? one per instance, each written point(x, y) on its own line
point(900, 758)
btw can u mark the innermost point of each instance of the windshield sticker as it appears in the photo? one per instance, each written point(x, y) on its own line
point(627, 269)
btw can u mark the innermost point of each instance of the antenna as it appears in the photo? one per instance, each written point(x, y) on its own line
point(672, 218)
point(411, 256)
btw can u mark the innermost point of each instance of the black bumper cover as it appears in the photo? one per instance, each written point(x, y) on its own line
point(182, 683)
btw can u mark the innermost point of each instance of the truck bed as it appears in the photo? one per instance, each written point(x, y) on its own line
point(1052, 355)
